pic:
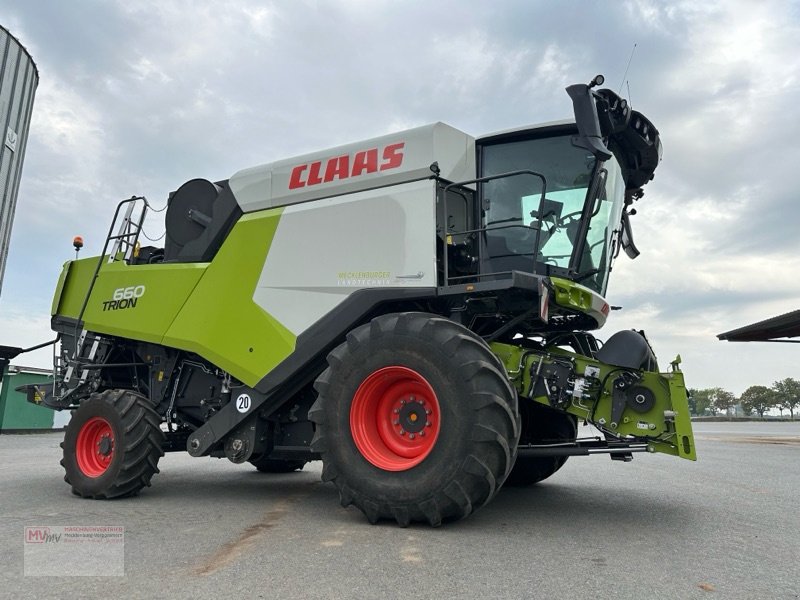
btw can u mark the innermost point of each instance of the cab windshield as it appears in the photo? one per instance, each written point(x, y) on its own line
point(512, 210)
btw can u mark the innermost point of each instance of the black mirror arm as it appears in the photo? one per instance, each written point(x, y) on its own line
point(627, 237)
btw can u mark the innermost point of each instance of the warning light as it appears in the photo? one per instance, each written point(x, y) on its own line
point(77, 242)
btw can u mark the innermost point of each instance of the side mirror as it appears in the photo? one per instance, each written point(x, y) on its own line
point(585, 109)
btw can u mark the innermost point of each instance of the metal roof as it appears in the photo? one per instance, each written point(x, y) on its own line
point(782, 326)
point(23, 48)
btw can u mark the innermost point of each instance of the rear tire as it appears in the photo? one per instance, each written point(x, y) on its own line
point(112, 445)
point(415, 420)
point(274, 465)
point(542, 425)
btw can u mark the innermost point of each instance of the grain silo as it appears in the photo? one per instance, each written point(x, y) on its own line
point(18, 80)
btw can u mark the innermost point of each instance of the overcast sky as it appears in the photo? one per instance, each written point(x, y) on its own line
point(137, 97)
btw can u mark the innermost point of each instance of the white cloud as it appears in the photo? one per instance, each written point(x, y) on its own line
point(553, 66)
point(21, 328)
point(144, 70)
point(69, 127)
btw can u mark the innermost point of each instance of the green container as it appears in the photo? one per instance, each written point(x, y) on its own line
point(16, 414)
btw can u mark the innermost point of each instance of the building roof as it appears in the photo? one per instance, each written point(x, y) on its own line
point(23, 48)
point(782, 326)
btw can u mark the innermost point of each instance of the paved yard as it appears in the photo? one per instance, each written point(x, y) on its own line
point(727, 526)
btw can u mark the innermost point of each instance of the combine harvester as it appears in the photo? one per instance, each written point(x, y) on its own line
point(415, 310)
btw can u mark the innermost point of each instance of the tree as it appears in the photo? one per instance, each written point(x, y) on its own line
point(721, 400)
point(758, 398)
point(699, 401)
point(788, 393)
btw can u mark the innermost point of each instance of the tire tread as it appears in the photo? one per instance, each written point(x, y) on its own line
point(494, 438)
point(141, 445)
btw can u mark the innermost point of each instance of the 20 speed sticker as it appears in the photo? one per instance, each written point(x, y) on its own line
point(243, 403)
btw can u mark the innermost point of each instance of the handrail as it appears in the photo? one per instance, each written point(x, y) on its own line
point(446, 262)
point(109, 237)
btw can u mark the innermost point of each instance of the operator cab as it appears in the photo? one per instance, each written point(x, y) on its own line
point(566, 225)
point(554, 200)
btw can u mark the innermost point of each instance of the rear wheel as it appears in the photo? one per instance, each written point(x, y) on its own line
point(274, 465)
point(415, 420)
point(542, 425)
point(112, 445)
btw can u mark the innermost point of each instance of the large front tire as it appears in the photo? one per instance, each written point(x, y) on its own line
point(415, 420)
point(112, 445)
point(542, 425)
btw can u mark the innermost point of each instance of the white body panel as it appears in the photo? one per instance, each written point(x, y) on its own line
point(527, 128)
point(383, 237)
point(378, 162)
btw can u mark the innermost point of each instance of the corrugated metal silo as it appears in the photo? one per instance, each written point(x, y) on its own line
point(18, 80)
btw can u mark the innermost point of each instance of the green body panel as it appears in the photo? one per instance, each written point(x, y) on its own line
point(667, 433)
point(167, 286)
point(574, 296)
point(72, 285)
point(220, 321)
point(206, 308)
point(58, 295)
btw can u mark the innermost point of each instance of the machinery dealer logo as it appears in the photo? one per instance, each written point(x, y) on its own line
point(124, 298)
point(69, 550)
point(41, 535)
point(363, 278)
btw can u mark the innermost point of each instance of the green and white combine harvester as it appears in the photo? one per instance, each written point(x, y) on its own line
point(415, 310)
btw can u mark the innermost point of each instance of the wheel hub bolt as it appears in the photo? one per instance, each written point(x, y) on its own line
point(402, 432)
point(104, 446)
point(422, 433)
point(427, 411)
point(427, 423)
point(402, 402)
point(411, 398)
point(395, 422)
point(411, 436)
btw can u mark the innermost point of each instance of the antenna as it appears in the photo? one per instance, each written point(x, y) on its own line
point(630, 103)
point(625, 74)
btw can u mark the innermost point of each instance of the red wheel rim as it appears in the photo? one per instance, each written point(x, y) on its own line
point(94, 448)
point(395, 418)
